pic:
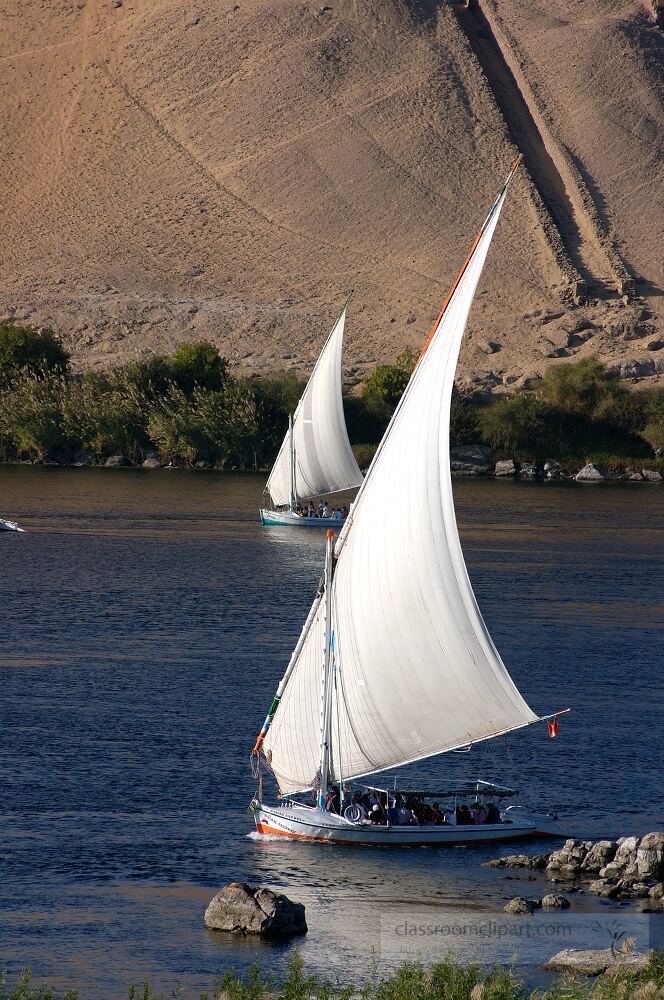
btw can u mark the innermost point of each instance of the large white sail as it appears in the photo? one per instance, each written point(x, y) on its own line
point(324, 461)
point(415, 670)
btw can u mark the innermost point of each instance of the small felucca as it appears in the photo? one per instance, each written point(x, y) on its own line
point(9, 525)
point(394, 663)
point(315, 458)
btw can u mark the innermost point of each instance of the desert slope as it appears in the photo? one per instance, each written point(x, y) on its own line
point(175, 170)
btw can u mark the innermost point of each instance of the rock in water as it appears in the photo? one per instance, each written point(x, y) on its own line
point(519, 861)
point(244, 909)
point(590, 474)
point(554, 901)
point(506, 467)
point(521, 905)
point(593, 962)
point(116, 462)
point(650, 856)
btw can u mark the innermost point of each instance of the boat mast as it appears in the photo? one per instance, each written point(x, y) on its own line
point(291, 461)
point(326, 677)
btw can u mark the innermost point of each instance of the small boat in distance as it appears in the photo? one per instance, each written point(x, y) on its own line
point(395, 664)
point(315, 458)
point(9, 526)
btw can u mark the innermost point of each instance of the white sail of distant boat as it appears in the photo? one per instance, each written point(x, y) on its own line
point(395, 663)
point(315, 458)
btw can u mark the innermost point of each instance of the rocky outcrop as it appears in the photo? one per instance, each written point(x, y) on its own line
point(506, 467)
point(151, 463)
point(590, 474)
point(595, 962)
point(519, 861)
point(651, 475)
point(551, 469)
point(471, 460)
point(528, 471)
point(116, 462)
point(243, 909)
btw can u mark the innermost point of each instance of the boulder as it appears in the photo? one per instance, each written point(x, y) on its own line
point(655, 345)
point(636, 369)
point(599, 855)
point(488, 346)
point(554, 901)
point(590, 474)
point(521, 905)
point(651, 475)
point(519, 861)
point(606, 888)
point(650, 856)
point(528, 471)
point(244, 909)
point(151, 463)
point(551, 469)
point(116, 462)
point(594, 962)
point(471, 460)
point(656, 891)
point(506, 467)
point(624, 862)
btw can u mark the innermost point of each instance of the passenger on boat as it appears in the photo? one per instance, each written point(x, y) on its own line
point(479, 814)
point(333, 800)
point(311, 510)
point(337, 515)
point(464, 816)
point(437, 817)
point(344, 512)
point(323, 510)
point(492, 813)
point(377, 815)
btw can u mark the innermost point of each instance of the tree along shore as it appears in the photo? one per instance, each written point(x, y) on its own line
point(188, 409)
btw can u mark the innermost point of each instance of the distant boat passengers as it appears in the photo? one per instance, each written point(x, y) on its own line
point(373, 806)
point(334, 513)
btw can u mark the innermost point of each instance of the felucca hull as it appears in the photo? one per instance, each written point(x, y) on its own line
point(285, 519)
point(303, 823)
point(9, 526)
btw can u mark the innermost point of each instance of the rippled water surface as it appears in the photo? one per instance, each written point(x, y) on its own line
point(146, 620)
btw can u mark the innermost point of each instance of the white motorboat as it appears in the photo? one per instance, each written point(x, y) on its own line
point(315, 458)
point(9, 526)
point(395, 664)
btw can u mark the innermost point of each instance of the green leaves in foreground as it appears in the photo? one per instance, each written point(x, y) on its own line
point(444, 980)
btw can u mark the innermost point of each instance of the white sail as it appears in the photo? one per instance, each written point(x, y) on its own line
point(324, 461)
point(415, 670)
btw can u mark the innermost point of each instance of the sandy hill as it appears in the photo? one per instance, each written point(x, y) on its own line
point(175, 169)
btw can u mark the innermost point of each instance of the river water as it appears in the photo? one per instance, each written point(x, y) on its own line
point(146, 620)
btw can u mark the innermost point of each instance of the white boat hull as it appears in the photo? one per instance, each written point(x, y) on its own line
point(298, 822)
point(9, 526)
point(286, 519)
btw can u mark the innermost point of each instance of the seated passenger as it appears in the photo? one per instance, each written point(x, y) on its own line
point(333, 800)
point(480, 813)
point(337, 514)
point(377, 815)
point(492, 813)
point(463, 816)
point(437, 817)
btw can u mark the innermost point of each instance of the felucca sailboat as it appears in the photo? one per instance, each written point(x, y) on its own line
point(315, 458)
point(395, 663)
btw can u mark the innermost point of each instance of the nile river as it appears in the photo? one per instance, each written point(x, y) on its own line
point(146, 620)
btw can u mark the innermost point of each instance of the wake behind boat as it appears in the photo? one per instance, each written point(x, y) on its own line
point(315, 458)
point(9, 525)
point(395, 664)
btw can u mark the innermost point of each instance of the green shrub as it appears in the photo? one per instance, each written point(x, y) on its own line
point(24, 350)
point(382, 390)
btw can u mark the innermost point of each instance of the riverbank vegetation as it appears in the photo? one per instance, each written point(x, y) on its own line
point(188, 408)
point(445, 980)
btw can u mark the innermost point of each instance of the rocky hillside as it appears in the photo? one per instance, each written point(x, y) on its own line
point(200, 168)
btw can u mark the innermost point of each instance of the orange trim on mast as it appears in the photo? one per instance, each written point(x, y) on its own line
point(513, 169)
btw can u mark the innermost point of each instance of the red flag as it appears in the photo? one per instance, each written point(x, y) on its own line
point(553, 726)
